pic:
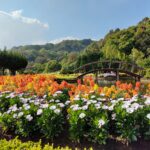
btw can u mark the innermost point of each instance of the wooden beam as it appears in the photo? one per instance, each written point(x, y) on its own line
point(96, 77)
point(117, 75)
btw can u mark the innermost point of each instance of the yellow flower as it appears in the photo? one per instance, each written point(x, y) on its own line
point(1, 87)
point(29, 86)
point(95, 87)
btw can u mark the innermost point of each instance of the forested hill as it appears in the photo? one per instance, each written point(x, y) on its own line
point(131, 44)
point(49, 51)
point(118, 43)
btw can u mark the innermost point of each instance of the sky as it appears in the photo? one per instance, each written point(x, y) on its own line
point(40, 21)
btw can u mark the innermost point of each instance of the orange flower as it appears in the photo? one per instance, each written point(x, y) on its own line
point(138, 84)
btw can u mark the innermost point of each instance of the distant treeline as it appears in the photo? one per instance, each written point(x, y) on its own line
point(131, 44)
point(12, 61)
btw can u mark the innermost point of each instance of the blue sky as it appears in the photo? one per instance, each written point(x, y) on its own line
point(40, 21)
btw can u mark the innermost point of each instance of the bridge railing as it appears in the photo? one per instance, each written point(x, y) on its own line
point(117, 65)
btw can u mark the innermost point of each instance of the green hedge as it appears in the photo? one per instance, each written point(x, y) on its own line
point(16, 144)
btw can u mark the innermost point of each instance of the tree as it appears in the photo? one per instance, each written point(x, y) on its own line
point(52, 66)
point(13, 61)
point(136, 56)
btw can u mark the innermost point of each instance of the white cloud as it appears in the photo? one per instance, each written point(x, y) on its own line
point(17, 14)
point(62, 39)
point(16, 29)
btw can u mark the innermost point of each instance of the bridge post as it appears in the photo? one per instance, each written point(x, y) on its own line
point(117, 75)
point(81, 80)
point(96, 77)
point(137, 79)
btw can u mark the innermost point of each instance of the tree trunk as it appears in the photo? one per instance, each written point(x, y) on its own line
point(3, 71)
point(13, 72)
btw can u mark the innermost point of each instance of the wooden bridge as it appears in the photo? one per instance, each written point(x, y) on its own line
point(130, 69)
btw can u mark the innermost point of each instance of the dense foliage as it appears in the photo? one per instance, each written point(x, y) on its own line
point(41, 54)
point(131, 44)
point(13, 61)
point(32, 104)
point(16, 144)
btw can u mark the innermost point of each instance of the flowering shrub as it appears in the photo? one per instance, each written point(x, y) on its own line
point(32, 104)
point(88, 119)
point(27, 115)
point(96, 118)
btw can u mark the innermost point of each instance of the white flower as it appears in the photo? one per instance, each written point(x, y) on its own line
point(52, 100)
point(27, 107)
point(8, 96)
point(36, 102)
point(135, 106)
point(31, 101)
point(54, 94)
point(126, 104)
point(101, 99)
point(75, 105)
point(102, 94)
point(120, 99)
point(41, 100)
point(61, 105)
point(130, 110)
point(134, 98)
point(24, 100)
point(20, 95)
point(97, 105)
point(44, 105)
point(57, 111)
point(29, 117)
point(57, 101)
point(12, 95)
point(147, 102)
point(14, 108)
point(93, 96)
point(34, 96)
point(85, 107)
point(104, 107)
point(82, 115)
point(67, 102)
point(84, 99)
point(44, 96)
point(148, 116)
point(14, 115)
point(113, 116)
point(20, 108)
point(88, 102)
point(8, 111)
point(24, 105)
point(20, 114)
point(93, 101)
point(76, 98)
point(101, 122)
point(52, 107)
point(76, 108)
point(39, 112)
point(113, 101)
point(58, 92)
point(6, 92)
point(111, 107)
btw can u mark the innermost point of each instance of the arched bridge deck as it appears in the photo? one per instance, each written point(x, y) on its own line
point(130, 69)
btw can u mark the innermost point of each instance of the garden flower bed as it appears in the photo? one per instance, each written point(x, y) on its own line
point(31, 104)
